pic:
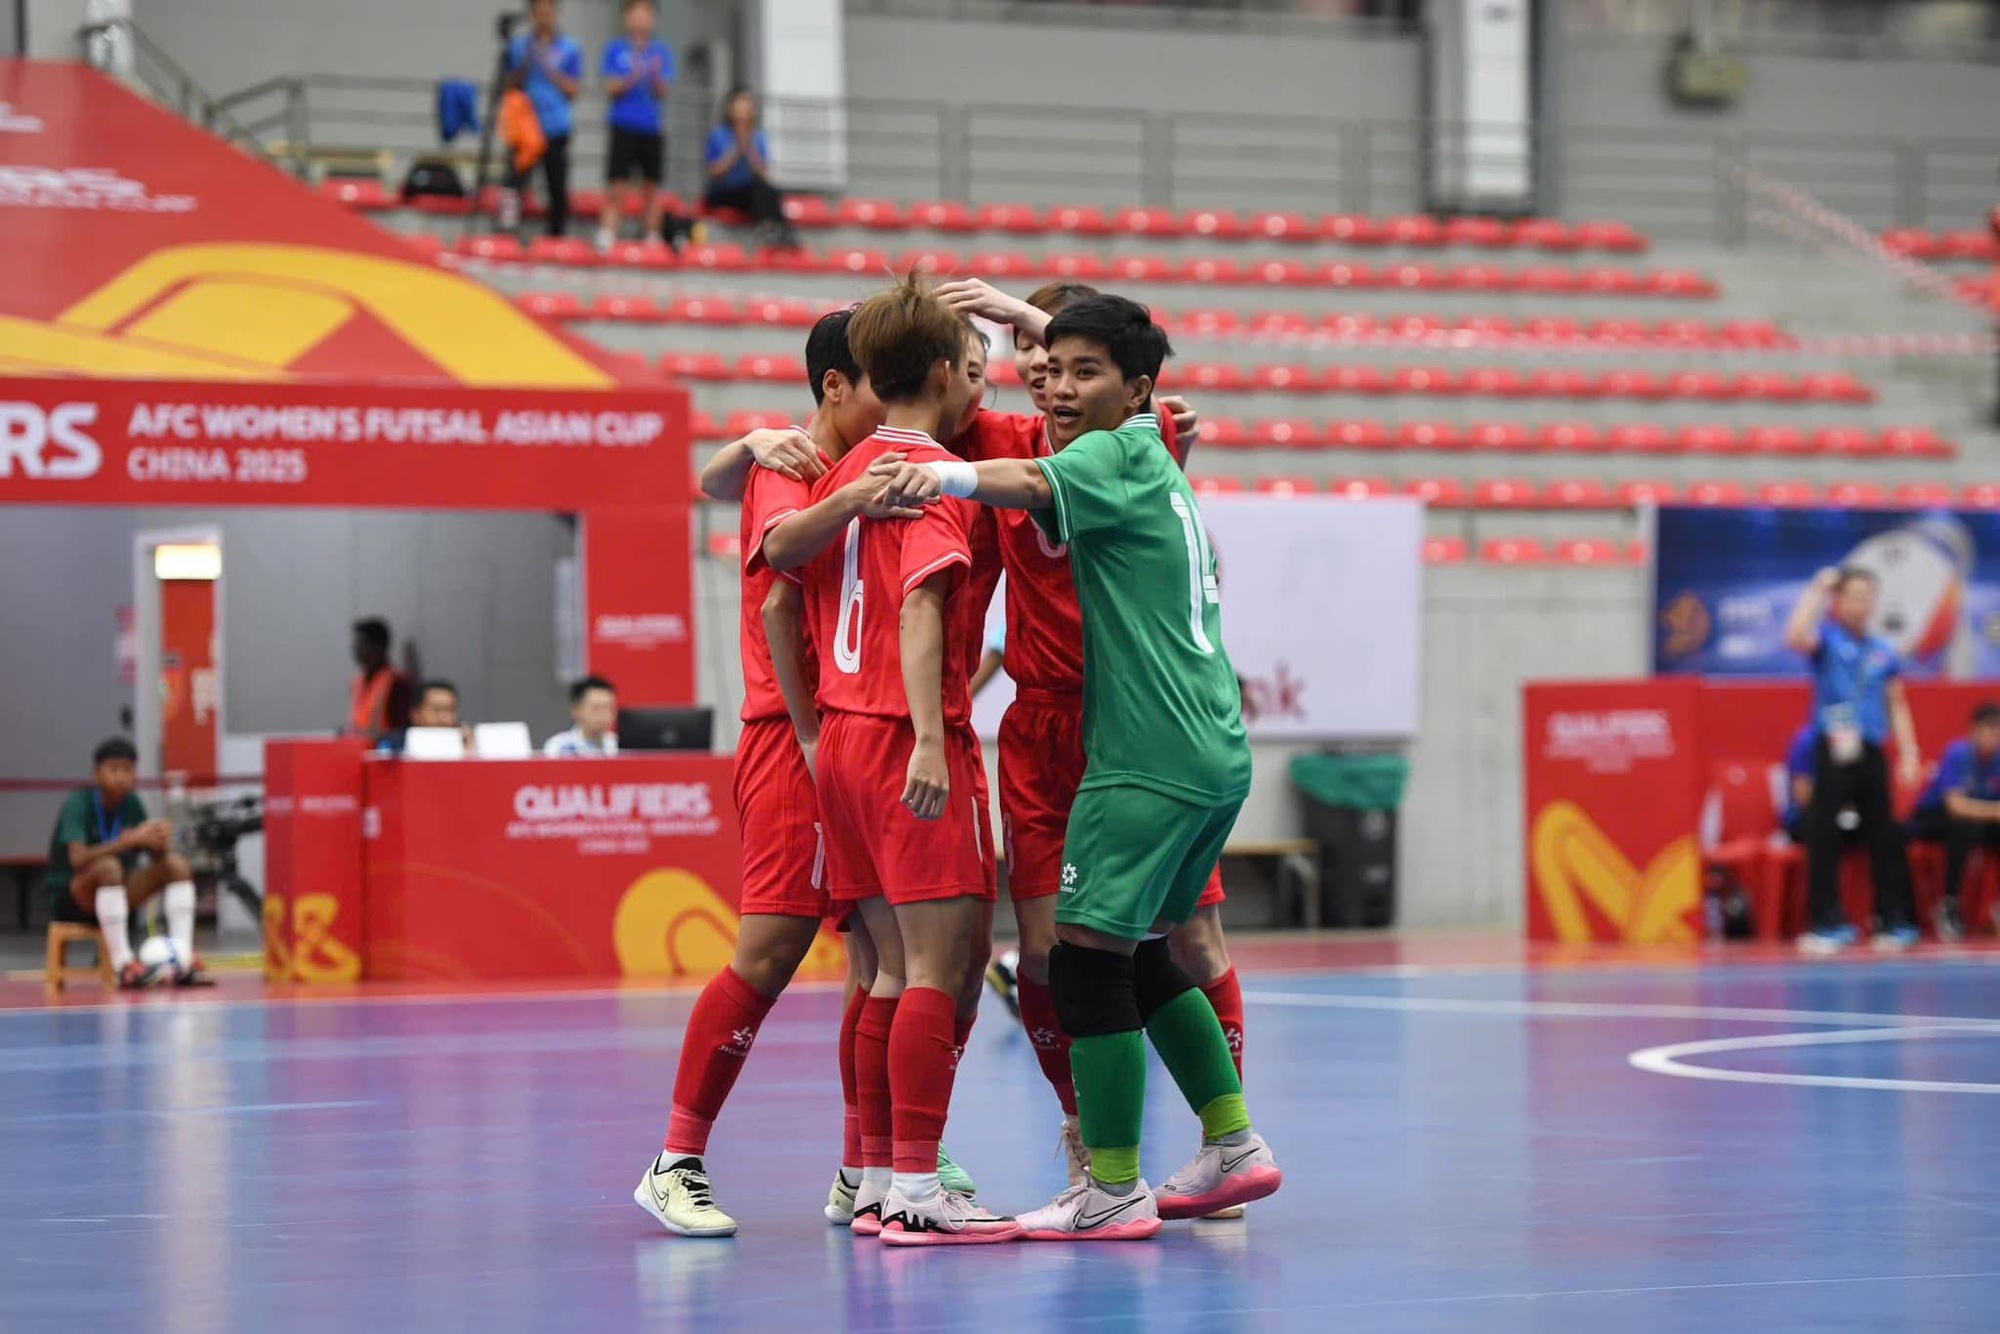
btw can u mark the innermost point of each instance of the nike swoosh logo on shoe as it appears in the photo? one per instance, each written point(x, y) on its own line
point(1231, 1164)
point(1085, 1220)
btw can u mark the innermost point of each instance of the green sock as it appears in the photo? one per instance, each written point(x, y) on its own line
point(1189, 1039)
point(1110, 1076)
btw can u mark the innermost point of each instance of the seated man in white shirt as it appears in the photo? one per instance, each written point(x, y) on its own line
point(593, 709)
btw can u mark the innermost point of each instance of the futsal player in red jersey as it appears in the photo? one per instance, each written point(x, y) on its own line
point(784, 898)
point(1041, 738)
point(896, 763)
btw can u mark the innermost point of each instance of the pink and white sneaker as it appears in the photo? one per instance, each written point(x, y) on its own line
point(1221, 1175)
point(948, 1218)
point(1088, 1212)
point(866, 1220)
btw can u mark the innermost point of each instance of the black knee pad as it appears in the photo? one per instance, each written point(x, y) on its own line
point(1156, 978)
point(1092, 991)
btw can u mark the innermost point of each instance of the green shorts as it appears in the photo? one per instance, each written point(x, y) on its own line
point(1133, 856)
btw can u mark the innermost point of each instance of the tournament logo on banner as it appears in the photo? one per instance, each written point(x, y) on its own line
point(1726, 581)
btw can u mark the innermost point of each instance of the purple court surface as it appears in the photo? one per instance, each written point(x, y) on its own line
point(1763, 1144)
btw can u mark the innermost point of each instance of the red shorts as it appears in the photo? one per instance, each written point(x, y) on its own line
point(783, 864)
point(1041, 765)
point(873, 844)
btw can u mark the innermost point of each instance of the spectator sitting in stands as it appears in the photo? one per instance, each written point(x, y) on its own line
point(436, 706)
point(638, 70)
point(381, 697)
point(593, 711)
point(547, 64)
point(1961, 810)
point(106, 857)
point(739, 164)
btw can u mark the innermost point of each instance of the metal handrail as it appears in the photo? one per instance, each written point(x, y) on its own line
point(167, 80)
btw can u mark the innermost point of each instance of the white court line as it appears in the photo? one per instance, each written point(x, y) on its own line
point(1666, 1060)
point(1607, 1010)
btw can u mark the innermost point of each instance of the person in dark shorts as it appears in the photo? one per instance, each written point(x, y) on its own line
point(106, 857)
point(638, 70)
point(738, 160)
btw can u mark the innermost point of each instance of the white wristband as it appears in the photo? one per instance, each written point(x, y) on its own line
point(956, 479)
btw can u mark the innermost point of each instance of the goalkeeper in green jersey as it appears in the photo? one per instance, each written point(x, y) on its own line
point(1167, 770)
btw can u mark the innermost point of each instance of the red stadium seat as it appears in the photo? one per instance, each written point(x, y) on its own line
point(1479, 278)
point(1708, 440)
point(1429, 436)
point(1611, 282)
point(1618, 331)
point(1916, 442)
point(1705, 385)
point(1444, 551)
point(368, 195)
point(1982, 496)
point(1277, 273)
point(1347, 275)
point(627, 309)
point(1498, 437)
point(1631, 384)
point(695, 366)
point(1362, 488)
point(783, 313)
point(1220, 224)
point(1215, 486)
point(1015, 219)
point(705, 427)
point(1786, 494)
point(1358, 435)
point(725, 546)
point(1856, 494)
point(1000, 371)
point(494, 249)
point(1980, 246)
point(1224, 433)
point(1684, 333)
point(1915, 242)
point(1148, 222)
point(932, 260)
point(1779, 440)
point(1553, 329)
point(1351, 229)
point(1648, 493)
point(809, 211)
point(1432, 381)
point(704, 310)
point(587, 203)
point(1592, 551)
point(653, 255)
point(551, 305)
point(1925, 494)
point(562, 251)
point(452, 206)
point(1562, 384)
point(1609, 236)
point(1205, 321)
point(635, 364)
point(1223, 375)
point(1513, 551)
point(1281, 226)
point(427, 244)
point(771, 369)
point(943, 215)
point(1082, 219)
point(1286, 377)
point(1570, 437)
point(870, 263)
point(1579, 493)
point(1767, 387)
point(1845, 442)
point(1076, 268)
point(1486, 328)
point(1289, 433)
point(1284, 486)
point(1504, 493)
point(1439, 492)
point(1280, 323)
point(1143, 269)
point(731, 258)
point(1349, 325)
point(1416, 277)
point(1496, 382)
point(1416, 230)
point(1717, 493)
point(1414, 327)
point(1207, 269)
point(1644, 438)
point(1491, 233)
point(1358, 380)
point(1834, 387)
point(740, 424)
point(1003, 265)
point(879, 215)
point(1544, 234)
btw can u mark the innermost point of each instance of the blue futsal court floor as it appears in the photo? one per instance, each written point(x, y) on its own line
point(1760, 1145)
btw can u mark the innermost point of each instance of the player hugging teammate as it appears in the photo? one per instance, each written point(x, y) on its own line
point(894, 568)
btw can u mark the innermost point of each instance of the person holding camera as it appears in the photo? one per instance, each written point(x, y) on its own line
point(1858, 700)
point(547, 65)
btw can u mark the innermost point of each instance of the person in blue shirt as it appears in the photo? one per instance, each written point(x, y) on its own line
point(436, 706)
point(739, 169)
point(1961, 809)
point(1858, 702)
point(547, 64)
point(638, 70)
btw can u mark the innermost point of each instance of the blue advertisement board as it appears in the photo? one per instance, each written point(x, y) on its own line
point(1726, 580)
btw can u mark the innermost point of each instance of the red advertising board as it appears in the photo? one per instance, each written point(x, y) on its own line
point(312, 860)
point(1613, 804)
point(638, 602)
point(525, 869)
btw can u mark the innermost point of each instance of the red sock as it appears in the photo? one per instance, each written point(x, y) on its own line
point(961, 1033)
point(871, 1079)
point(921, 1069)
point(1227, 998)
point(724, 1023)
point(1051, 1044)
point(850, 1152)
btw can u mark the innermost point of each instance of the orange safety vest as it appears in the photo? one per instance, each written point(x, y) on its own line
point(369, 712)
point(521, 130)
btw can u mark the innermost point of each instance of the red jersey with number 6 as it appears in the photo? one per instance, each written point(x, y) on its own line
point(855, 591)
point(769, 498)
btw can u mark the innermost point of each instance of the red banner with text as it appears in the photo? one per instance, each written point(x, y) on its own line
point(638, 600)
point(312, 860)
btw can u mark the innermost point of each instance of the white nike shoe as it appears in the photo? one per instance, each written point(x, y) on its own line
point(1088, 1212)
point(1220, 1176)
point(948, 1218)
point(1072, 1150)
point(840, 1200)
point(865, 1214)
point(677, 1193)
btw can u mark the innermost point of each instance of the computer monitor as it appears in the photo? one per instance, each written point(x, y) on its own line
point(666, 729)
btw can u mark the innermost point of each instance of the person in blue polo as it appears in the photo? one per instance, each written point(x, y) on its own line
point(1858, 702)
point(547, 64)
point(1961, 809)
point(638, 70)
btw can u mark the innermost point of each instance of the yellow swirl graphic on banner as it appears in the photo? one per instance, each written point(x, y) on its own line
point(671, 924)
point(1575, 863)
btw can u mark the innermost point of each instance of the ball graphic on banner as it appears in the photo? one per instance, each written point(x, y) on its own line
point(1922, 568)
point(671, 924)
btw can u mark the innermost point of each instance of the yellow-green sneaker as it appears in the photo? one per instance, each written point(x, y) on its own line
point(952, 1177)
point(677, 1193)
